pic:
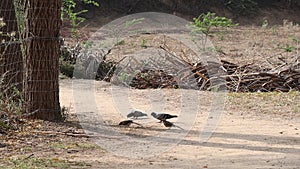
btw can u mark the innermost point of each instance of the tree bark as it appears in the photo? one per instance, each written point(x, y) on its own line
point(10, 49)
point(41, 59)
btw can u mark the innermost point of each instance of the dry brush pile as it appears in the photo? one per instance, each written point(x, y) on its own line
point(237, 78)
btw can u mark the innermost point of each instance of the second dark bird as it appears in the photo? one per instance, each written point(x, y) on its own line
point(128, 123)
point(169, 124)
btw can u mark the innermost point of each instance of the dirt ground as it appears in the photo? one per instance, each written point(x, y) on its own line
point(259, 130)
point(245, 136)
point(256, 130)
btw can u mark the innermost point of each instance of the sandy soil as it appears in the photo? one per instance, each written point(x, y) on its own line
point(243, 138)
point(258, 130)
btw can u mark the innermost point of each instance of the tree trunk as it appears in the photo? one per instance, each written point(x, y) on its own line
point(41, 59)
point(10, 49)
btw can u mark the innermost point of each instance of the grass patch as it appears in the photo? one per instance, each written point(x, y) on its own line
point(266, 102)
point(60, 145)
point(40, 163)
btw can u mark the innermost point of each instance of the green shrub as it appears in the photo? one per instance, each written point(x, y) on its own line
point(205, 22)
point(74, 17)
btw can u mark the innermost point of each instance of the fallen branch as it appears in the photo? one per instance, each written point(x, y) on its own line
point(75, 134)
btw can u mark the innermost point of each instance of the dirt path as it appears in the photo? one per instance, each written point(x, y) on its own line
point(241, 140)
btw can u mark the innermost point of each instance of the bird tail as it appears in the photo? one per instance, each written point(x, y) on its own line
point(137, 124)
point(178, 127)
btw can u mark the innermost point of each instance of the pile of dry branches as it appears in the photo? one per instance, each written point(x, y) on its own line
point(150, 78)
point(245, 78)
point(251, 78)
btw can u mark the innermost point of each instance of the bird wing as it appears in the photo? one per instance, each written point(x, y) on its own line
point(143, 114)
point(163, 116)
point(138, 113)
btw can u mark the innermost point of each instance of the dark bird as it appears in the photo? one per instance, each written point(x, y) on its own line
point(128, 123)
point(162, 116)
point(136, 114)
point(169, 124)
